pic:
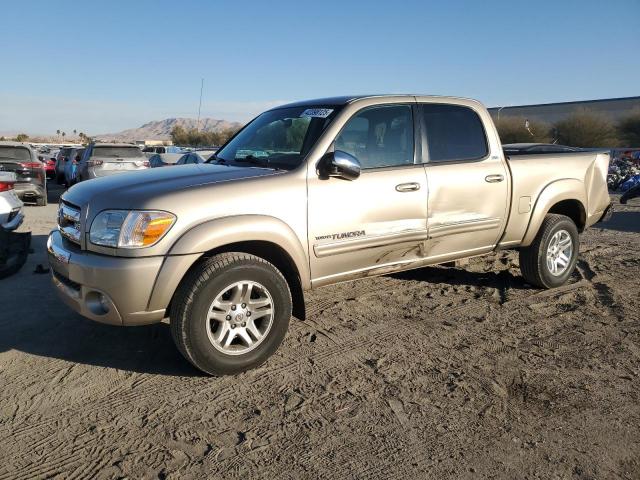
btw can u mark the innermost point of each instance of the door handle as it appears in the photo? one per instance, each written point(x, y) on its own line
point(408, 187)
point(494, 178)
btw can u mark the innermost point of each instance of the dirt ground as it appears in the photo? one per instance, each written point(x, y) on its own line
point(436, 373)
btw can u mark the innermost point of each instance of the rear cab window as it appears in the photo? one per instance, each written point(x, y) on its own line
point(453, 133)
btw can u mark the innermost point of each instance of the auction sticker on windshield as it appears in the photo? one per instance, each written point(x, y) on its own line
point(317, 112)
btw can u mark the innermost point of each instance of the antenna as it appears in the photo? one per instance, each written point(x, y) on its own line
point(200, 104)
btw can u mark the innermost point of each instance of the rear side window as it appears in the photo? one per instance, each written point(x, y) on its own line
point(453, 133)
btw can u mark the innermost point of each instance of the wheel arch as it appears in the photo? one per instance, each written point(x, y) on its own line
point(565, 197)
point(266, 237)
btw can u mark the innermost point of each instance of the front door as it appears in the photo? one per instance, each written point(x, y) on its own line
point(376, 222)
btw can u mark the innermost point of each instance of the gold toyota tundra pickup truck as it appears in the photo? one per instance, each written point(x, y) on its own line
point(310, 194)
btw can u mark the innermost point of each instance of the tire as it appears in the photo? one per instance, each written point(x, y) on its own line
point(534, 262)
point(195, 335)
point(42, 201)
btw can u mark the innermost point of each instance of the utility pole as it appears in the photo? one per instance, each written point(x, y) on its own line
point(200, 104)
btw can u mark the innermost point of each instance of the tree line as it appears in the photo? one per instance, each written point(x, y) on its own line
point(583, 128)
point(193, 137)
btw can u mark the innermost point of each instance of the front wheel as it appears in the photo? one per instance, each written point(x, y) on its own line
point(230, 313)
point(551, 259)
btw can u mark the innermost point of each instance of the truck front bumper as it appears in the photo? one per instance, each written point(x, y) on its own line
point(106, 289)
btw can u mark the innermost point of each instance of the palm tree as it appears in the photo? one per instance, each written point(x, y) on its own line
point(63, 134)
point(75, 132)
point(58, 132)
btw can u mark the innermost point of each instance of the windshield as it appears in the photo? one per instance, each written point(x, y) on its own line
point(15, 153)
point(117, 152)
point(278, 138)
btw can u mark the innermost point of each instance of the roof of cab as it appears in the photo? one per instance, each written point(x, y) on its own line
point(345, 99)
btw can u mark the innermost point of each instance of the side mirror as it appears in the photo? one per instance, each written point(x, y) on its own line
point(339, 164)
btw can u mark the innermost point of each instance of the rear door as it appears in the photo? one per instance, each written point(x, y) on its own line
point(377, 221)
point(468, 181)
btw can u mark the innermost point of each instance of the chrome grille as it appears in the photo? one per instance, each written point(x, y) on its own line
point(69, 222)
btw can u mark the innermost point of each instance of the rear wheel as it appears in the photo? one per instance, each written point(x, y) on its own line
point(231, 313)
point(551, 259)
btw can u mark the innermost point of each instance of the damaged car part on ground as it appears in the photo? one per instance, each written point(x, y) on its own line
point(14, 249)
point(227, 248)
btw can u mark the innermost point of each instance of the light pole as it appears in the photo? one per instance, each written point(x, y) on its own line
point(200, 104)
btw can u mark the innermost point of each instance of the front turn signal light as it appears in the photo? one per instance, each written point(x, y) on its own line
point(145, 228)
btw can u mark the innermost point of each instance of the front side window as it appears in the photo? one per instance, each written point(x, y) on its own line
point(279, 138)
point(454, 133)
point(379, 136)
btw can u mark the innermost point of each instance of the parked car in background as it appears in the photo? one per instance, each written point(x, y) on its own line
point(11, 215)
point(206, 153)
point(149, 151)
point(533, 148)
point(103, 159)
point(63, 153)
point(31, 181)
point(164, 159)
point(190, 158)
point(49, 163)
point(71, 166)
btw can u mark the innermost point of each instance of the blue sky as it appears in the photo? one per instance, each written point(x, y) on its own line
point(103, 66)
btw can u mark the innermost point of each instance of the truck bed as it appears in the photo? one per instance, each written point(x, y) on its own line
point(584, 172)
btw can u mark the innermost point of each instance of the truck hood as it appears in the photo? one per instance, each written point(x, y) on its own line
point(129, 190)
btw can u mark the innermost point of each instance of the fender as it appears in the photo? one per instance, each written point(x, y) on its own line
point(191, 245)
point(557, 191)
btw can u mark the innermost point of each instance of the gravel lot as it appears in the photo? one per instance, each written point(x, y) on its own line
point(436, 373)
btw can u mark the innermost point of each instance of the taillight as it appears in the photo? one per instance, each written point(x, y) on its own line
point(32, 165)
point(94, 163)
point(6, 186)
point(146, 164)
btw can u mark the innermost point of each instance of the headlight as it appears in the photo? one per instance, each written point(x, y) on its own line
point(130, 229)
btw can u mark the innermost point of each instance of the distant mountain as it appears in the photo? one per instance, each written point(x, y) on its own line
point(161, 129)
